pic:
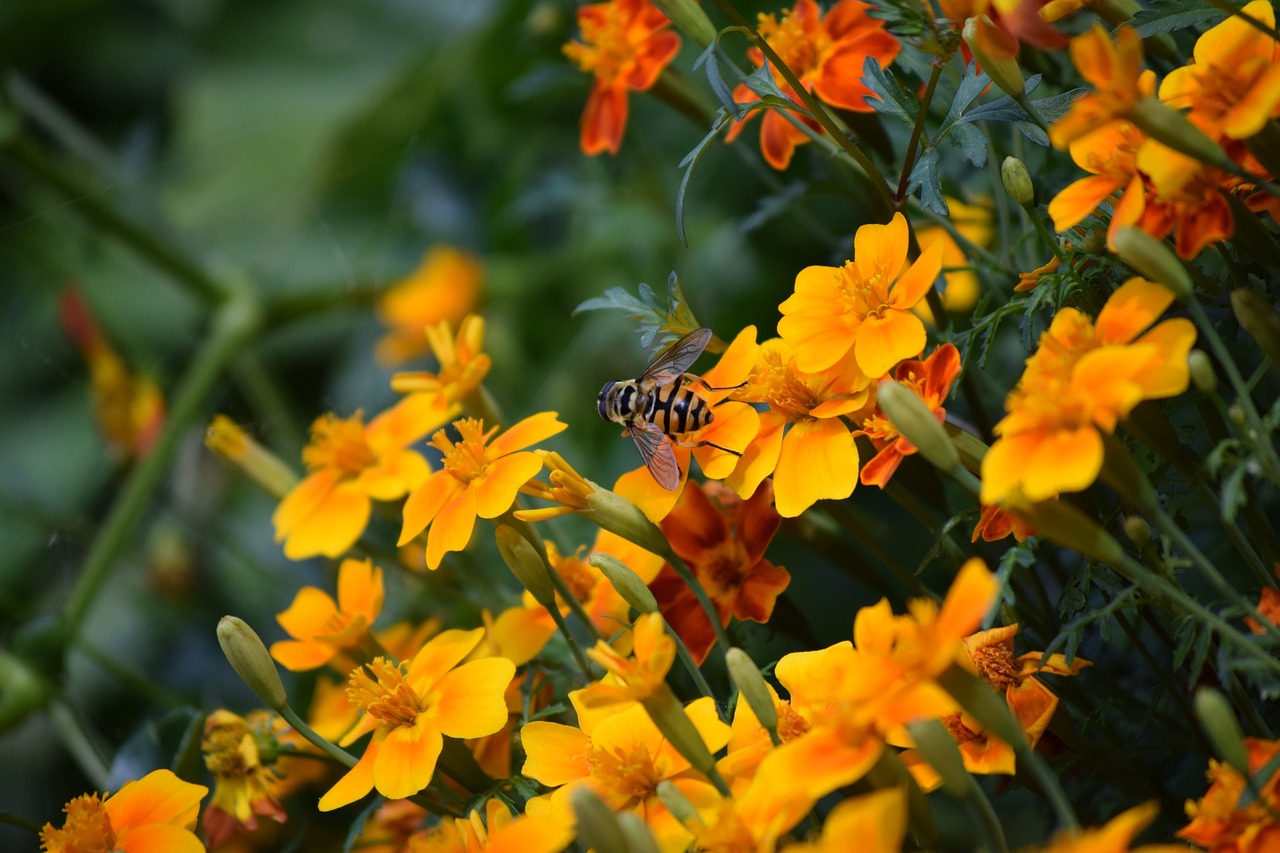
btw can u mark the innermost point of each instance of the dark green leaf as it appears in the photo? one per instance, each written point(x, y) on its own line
point(924, 176)
point(972, 143)
point(1166, 16)
point(891, 99)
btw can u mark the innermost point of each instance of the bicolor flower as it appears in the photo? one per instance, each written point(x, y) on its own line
point(155, 814)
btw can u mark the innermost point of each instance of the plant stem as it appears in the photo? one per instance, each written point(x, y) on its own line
point(917, 132)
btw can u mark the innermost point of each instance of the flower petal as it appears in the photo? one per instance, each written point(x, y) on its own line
point(360, 589)
point(819, 459)
point(555, 754)
point(407, 760)
point(158, 797)
point(886, 338)
point(302, 500)
point(357, 781)
point(425, 502)
point(529, 431)
point(333, 526)
point(471, 701)
point(444, 651)
point(496, 491)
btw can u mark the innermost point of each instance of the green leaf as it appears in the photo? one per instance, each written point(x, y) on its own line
point(711, 63)
point(972, 143)
point(665, 321)
point(971, 86)
point(924, 176)
point(1166, 16)
point(891, 99)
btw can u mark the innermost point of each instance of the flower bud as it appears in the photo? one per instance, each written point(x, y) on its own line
point(22, 691)
point(1202, 372)
point(1258, 319)
point(752, 687)
point(1017, 181)
point(248, 657)
point(597, 824)
point(677, 803)
point(225, 438)
point(626, 582)
point(1219, 723)
point(1065, 524)
point(995, 51)
point(1137, 529)
point(526, 565)
point(912, 418)
point(1174, 130)
point(687, 17)
point(1153, 259)
point(666, 712)
point(636, 835)
point(938, 748)
point(616, 514)
point(1237, 415)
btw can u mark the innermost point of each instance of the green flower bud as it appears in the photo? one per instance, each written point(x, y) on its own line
point(687, 17)
point(1137, 529)
point(636, 834)
point(939, 749)
point(1017, 181)
point(677, 803)
point(1154, 260)
point(1259, 319)
point(1202, 372)
point(248, 657)
point(1174, 130)
point(1065, 524)
point(752, 688)
point(618, 515)
point(626, 582)
point(995, 51)
point(671, 719)
point(598, 827)
point(917, 423)
point(1219, 723)
point(525, 564)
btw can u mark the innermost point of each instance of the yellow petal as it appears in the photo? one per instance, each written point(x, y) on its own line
point(425, 502)
point(158, 797)
point(444, 651)
point(881, 248)
point(301, 656)
point(555, 754)
point(471, 701)
point(1066, 461)
point(529, 431)
point(451, 531)
point(357, 782)
point(302, 500)
point(1134, 306)
point(332, 527)
point(886, 338)
point(159, 838)
point(818, 460)
point(360, 589)
point(407, 760)
point(497, 490)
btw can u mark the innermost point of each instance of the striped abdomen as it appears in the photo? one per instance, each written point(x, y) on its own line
point(674, 408)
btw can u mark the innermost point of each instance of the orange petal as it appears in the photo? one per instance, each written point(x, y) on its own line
point(1066, 461)
point(918, 280)
point(407, 760)
point(471, 701)
point(735, 425)
point(1168, 373)
point(158, 797)
point(357, 781)
point(886, 338)
point(445, 651)
point(1134, 306)
point(426, 501)
point(1069, 207)
point(360, 588)
point(397, 472)
point(817, 763)
point(496, 491)
point(819, 459)
point(302, 500)
point(973, 593)
point(530, 431)
point(159, 838)
point(333, 526)
point(604, 120)
point(298, 656)
point(312, 607)
point(881, 248)
point(778, 140)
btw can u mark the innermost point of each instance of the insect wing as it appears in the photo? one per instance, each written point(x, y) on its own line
point(655, 450)
point(673, 361)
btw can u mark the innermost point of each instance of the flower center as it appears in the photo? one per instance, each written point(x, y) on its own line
point(778, 386)
point(226, 753)
point(339, 443)
point(997, 667)
point(87, 828)
point(958, 730)
point(801, 50)
point(577, 576)
point(1044, 395)
point(386, 696)
point(864, 295)
point(466, 459)
point(791, 724)
point(628, 774)
point(606, 46)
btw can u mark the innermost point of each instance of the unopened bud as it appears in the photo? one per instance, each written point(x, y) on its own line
point(1065, 524)
point(1153, 259)
point(1236, 414)
point(597, 824)
point(939, 750)
point(525, 564)
point(22, 691)
point(687, 17)
point(636, 834)
point(248, 657)
point(677, 803)
point(1219, 723)
point(912, 418)
point(226, 438)
point(670, 717)
point(1017, 181)
point(616, 514)
point(995, 51)
point(752, 687)
point(625, 582)
point(1174, 130)
point(1094, 242)
point(1258, 319)
point(1137, 529)
point(1115, 12)
point(1202, 372)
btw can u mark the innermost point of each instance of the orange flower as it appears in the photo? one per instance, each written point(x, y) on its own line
point(826, 54)
point(463, 364)
point(1084, 377)
point(995, 524)
point(638, 677)
point(233, 753)
point(803, 439)
point(128, 406)
point(152, 815)
point(350, 465)
point(443, 288)
point(1114, 837)
point(411, 710)
point(871, 823)
point(1224, 819)
point(864, 306)
point(1183, 197)
point(1269, 607)
point(480, 478)
point(498, 832)
point(1028, 281)
point(1110, 155)
point(322, 628)
point(1233, 87)
point(931, 381)
point(1114, 69)
point(723, 544)
point(625, 44)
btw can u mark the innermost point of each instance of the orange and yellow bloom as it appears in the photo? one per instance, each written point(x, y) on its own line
point(411, 709)
point(1224, 819)
point(826, 53)
point(931, 381)
point(155, 814)
point(625, 44)
point(445, 286)
point(1084, 378)
point(351, 464)
point(1115, 70)
point(233, 752)
point(322, 628)
point(481, 477)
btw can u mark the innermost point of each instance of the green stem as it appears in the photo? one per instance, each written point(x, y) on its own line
point(918, 131)
point(232, 327)
point(80, 742)
point(266, 396)
point(713, 615)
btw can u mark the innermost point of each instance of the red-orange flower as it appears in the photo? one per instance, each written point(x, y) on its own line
point(1269, 607)
point(1224, 819)
point(625, 44)
point(826, 54)
point(996, 523)
point(152, 815)
point(722, 540)
point(931, 381)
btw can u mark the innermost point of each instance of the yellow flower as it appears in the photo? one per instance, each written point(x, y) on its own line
point(480, 478)
point(443, 288)
point(864, 306)
point(321, 628)
point(410, 711)
point(463, 364)
point(152, 815)
point(498, 832)
point(638, 677)
point(242, 781)
point(1084, 377)
point(1114, 69)
point(350, 465)
point(872, 823)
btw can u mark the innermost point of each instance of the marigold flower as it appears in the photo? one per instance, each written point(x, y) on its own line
point(155, 814)
point(864, 306)
point(1114, 69)
point(1269, 607)
point(322, 628)
point(723, 544)
point(1183, 197)
point(1233, 87)
point(639, 676)
point(242, 780)
point(1110, 155)
point(803, 439)
point(351, 464)
point(442, 289)
point(1223, 819)
point(463, 363)
point(1028, 281)
point(974, 222)
point(931, 380)
point(1114, 837)
point(826, 54)
point(498, 832)
point(871, 823)
point(626, 44)
point(128, 406)
point(622, 757)
point(411, 709)
point(1085, 377)
point(996, 523)
point(481, 477)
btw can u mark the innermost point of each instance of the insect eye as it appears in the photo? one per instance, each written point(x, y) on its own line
point(602, 401)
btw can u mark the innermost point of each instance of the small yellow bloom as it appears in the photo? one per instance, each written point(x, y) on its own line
point(481, 477)
point(444, 287)
point(637, 677)
point(152, 815)
point(411, 709)
point(463, 363)
point(242, 781)
point(872, 823)
point(322, 628)
point(499, 832)
point(974, 222)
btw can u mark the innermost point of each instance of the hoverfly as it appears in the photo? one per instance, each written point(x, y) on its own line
point(659, 407)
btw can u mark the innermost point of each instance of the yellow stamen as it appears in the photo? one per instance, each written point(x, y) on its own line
point(386, 696)
point(87, 828)
point(339, 443)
